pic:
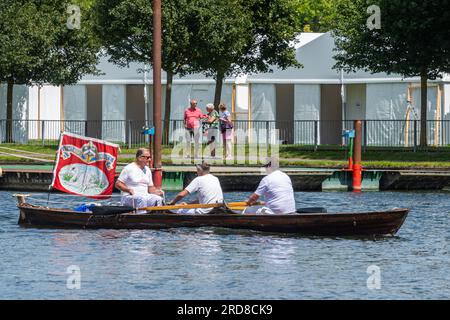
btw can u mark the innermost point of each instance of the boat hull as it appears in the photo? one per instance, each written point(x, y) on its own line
point(320, 224)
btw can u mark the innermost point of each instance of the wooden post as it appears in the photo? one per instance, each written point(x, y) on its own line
point(357, 176)
point(157, 87)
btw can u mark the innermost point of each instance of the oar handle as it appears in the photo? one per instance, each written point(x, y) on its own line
point(182, 206)
point(198, 206)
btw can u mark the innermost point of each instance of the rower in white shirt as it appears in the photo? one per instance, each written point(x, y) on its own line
point(206, 186)
point(276, 189)
point(136, 184)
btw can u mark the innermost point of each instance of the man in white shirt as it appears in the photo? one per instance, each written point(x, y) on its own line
point(206, 186)
point(136, 184)
point(277, 190)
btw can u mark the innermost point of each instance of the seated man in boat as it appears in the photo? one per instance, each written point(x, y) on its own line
point(206, 186)
point(136, 184)
point(276, 188)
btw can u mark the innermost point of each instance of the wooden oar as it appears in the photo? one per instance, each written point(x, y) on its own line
point(196, 206)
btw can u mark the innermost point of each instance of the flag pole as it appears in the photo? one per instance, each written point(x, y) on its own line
point(50, 187)
point(157, 166)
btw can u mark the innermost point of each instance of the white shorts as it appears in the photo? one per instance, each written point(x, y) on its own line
point(213, 133)
point(258, 210)
point(192, 211)
point(141, 201)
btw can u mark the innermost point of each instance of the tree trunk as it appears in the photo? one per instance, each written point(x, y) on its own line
point(168, 106)
point(218, 92)
point(423, 108)
point(9, 112)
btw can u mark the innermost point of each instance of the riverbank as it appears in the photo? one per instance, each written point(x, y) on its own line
point(328, 157)
point(30, 168)
point(238, 178)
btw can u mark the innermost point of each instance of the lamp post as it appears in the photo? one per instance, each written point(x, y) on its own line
point(157, 173)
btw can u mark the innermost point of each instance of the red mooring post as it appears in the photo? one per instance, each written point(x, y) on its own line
point(357, 176)
point(157, 173)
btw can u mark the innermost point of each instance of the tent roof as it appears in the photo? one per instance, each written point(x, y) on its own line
point(316, 56)
point(314, 51)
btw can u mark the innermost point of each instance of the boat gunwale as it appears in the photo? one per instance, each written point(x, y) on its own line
point(172, 214)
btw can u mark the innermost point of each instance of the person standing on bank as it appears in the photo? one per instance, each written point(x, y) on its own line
point(276, 188)
point(206, 186)
point(136, 184)
point(212, 127)
point(226, 130)
point(192, 117)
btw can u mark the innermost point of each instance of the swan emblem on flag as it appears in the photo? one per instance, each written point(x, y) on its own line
point(88, 153)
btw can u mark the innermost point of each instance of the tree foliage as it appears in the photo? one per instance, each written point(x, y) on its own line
point(37, 47)
point(244, 36)
point(316, 15)
point(414, 40)
point(414, 35)
point(126, 29)
point(216, 37)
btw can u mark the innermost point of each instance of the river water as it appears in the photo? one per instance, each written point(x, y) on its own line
point(210, 263)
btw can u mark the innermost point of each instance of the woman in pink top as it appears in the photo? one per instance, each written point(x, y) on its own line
point(192, 117)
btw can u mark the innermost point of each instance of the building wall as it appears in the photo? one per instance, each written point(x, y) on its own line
point(2, 101)
point(94, 111)
point(50, 103)
point(135, 103)
point(446, 114)
point(431, 101)
point(75, 102)
point(135, 112)
point(75, 108)
point(263, 102)
point(386, 101)
point(163, 102)
point(242, 102)
point(331, 111)
point(285, 111)
point(355, 106)
point(113, 108)
point(433, 128)
point(446, 102)
point(306, 109)
point(20, 112)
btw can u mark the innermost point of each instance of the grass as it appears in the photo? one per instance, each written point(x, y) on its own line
point(324, 157)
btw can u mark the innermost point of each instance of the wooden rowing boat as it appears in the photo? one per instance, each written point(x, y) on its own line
point(320, 224)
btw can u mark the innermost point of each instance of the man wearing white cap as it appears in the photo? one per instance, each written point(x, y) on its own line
point(277, 190)
point(206, 186)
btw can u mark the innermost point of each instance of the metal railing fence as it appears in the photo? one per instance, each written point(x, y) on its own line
point(380, 133)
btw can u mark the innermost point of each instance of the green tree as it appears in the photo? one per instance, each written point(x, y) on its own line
point(316, 15)
point(38, 46)
point(125, 27)
point(243, 36)
point(414, 40)
point(223, 30)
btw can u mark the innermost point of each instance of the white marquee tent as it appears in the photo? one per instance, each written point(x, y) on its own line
point(314, 92)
